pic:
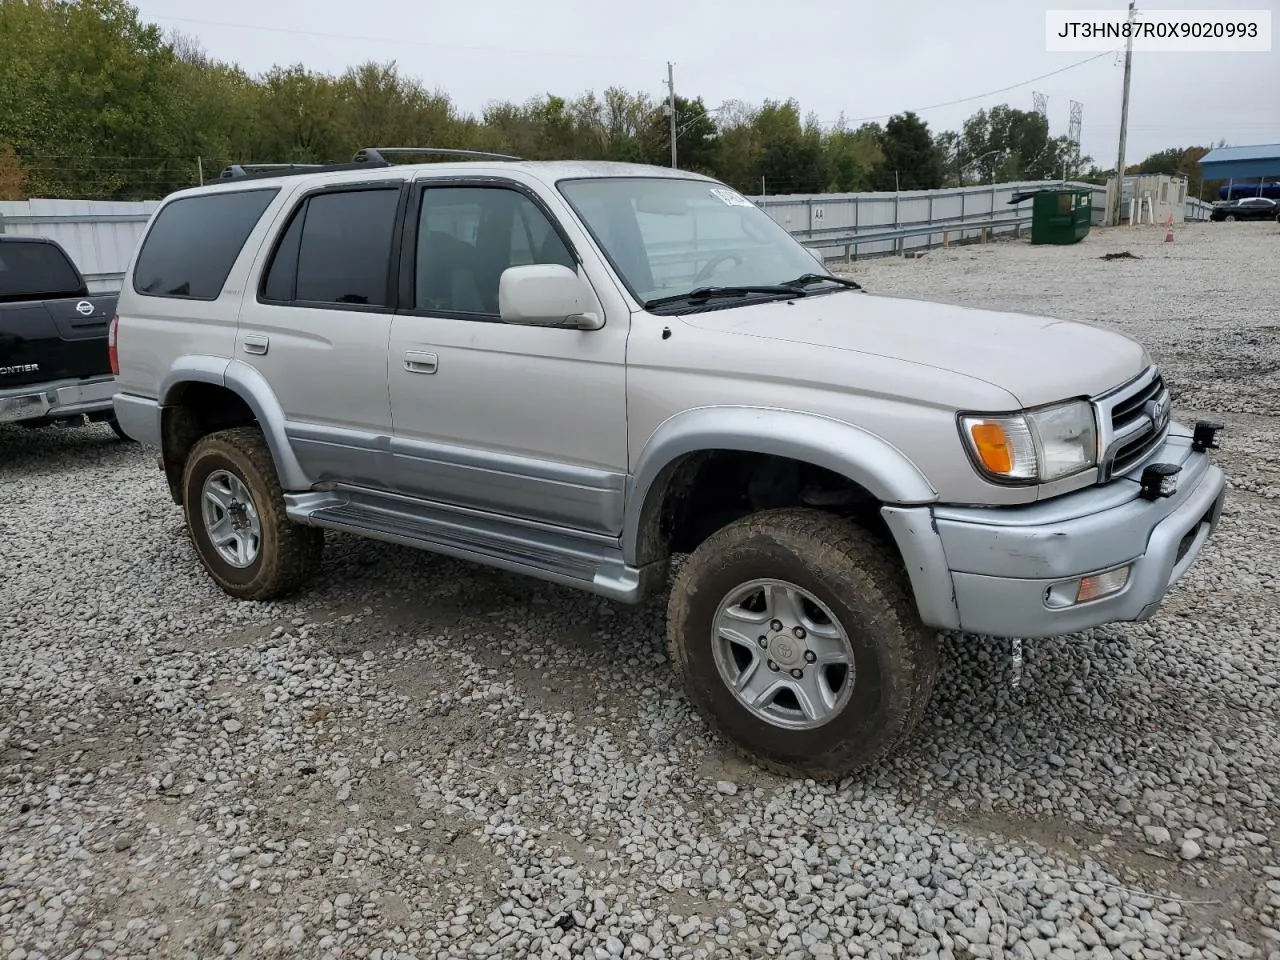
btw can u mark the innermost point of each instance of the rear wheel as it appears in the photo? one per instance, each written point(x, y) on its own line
point(236, 516)
point(798, 641)
point(1230, 218)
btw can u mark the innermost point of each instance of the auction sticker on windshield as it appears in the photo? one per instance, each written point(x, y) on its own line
point(730, 197)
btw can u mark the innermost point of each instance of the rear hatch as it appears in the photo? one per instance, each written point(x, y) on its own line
point(50, 328)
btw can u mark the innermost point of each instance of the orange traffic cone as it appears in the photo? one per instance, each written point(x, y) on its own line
point(1168, 237)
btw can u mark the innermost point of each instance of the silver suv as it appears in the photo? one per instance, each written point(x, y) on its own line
point(579, 371)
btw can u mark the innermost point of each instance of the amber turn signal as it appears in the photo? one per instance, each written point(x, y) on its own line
point(992, 445)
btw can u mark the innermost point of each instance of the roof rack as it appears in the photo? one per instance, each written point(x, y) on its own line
point(376, 154)
point(239, 171)
point(365, 158)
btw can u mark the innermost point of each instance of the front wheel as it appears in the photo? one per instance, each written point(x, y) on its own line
point(236, 517)
point(798, 641)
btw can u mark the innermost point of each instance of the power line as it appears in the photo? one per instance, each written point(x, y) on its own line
point(978, 96)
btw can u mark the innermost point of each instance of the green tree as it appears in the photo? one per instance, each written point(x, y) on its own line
point(629, 127)
point(911, 158)
point(696, 135)
point(1005, 143)
point(791, 157)
point(852, 157)
point(84, 92)
point(739, 150)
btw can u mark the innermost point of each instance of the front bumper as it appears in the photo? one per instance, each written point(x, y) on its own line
point(1013, 571)
point(57, 399)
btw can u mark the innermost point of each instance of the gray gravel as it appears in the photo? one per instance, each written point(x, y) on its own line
point(418, 758)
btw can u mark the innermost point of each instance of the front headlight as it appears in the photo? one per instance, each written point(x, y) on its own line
point(1034, 447)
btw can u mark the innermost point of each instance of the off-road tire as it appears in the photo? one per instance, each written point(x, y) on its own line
point(862, 581)
point(290, 553)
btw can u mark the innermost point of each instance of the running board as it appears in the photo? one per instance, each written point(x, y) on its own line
point(588, 563)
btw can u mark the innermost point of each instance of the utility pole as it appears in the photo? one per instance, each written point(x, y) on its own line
point(671, 109)
point(1113, 215)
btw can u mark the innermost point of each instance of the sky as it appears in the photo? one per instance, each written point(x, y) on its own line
point(863, 59)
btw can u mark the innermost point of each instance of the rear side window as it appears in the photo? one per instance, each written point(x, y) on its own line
point(36, 271)
point(336, 250)
point(194, 242)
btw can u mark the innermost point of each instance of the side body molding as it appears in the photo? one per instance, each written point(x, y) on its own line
point(862, 456)
point(247, 383)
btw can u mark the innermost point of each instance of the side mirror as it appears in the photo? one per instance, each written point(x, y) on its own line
point(545, 295)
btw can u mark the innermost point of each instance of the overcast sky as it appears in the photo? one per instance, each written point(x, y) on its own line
point(863, 58)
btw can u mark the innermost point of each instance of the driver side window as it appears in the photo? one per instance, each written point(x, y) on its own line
point(467, 236)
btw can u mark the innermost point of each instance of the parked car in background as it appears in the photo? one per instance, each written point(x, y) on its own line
point(1249, 208)
point(54, 362)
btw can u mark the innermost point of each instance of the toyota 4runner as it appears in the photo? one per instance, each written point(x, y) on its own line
point(578, 371)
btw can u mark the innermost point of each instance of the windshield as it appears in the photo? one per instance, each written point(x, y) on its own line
point(668, 236)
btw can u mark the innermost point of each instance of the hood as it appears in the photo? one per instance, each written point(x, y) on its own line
point(1037, 359)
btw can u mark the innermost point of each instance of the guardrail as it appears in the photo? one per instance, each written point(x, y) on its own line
point(986, 226)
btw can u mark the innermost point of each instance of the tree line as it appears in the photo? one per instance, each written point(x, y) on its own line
point(95, 103)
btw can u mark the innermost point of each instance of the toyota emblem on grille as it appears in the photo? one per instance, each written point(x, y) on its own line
point(1158, 411)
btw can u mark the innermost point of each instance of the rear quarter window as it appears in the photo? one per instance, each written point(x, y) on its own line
point(194, 241)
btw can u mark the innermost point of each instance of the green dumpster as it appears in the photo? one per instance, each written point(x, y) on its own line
point(1061, 216)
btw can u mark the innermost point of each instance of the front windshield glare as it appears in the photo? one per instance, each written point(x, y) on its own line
point(668, 236)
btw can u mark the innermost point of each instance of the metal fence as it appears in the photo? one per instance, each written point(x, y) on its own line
point(100, 236)
point(851, 225)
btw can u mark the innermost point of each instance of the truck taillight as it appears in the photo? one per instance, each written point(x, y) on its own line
point(112, 355)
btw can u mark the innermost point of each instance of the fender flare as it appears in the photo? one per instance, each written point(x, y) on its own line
point(251, 387)
point(860, 455)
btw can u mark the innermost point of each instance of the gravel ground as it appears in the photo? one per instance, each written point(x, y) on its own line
point(420, 758)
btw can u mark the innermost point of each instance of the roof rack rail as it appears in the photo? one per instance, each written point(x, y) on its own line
point(240, 171)
point(373, 155)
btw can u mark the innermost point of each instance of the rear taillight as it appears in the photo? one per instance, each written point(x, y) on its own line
point(112, 354)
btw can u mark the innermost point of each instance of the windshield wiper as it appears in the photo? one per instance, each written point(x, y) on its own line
point(807, 278)
point(703, 294)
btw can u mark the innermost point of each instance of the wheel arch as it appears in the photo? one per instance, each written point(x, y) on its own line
point(856, 454)
point(182, 424)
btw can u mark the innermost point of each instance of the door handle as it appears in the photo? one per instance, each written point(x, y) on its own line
point(417, 362)
point(255, 343)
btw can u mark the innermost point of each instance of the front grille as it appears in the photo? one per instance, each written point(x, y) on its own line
point(1128, 409)
point(1139, 420)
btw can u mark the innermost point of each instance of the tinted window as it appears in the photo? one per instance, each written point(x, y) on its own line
point(193, 243)
point(283, 273)
point(36, 271)
point(344, 251)
point(467, 236)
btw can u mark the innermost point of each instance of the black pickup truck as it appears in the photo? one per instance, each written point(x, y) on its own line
point(54, 364)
